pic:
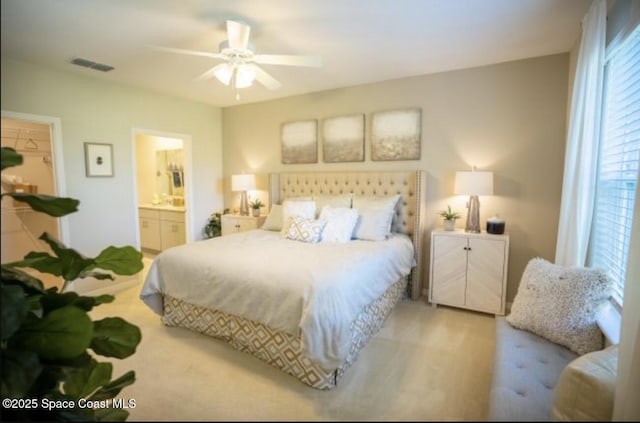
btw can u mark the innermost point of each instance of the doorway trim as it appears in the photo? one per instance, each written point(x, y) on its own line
point(188, 178)
point(55, 126)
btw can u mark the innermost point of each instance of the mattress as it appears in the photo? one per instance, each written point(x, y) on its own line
point(313, 292)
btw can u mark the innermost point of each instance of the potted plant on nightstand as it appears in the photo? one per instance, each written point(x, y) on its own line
point(255, 207)
point(449, 217)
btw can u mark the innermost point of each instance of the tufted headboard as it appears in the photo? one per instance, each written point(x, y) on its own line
point(410, 185)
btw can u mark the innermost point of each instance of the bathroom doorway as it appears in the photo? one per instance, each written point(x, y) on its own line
point(163, 178)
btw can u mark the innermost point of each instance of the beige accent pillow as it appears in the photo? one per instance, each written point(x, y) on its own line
point(273, 222)
point(561, 303)
point(305, 230)
point(586, 387)
point(297, 208)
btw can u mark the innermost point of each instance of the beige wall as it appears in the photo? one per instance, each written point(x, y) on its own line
point(95, 110)
point(508, 118)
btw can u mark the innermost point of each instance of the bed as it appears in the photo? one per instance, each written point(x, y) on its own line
point(305, 308)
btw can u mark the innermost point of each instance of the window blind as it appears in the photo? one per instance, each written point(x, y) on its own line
point(618, 161)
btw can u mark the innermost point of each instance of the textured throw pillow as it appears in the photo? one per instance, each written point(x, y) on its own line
point(586, 387)
point(297, 208)
point(375, 215)
point(342, 200)
point(306, 230)
point(273, 222)
point(340, 223)
point(561, 303)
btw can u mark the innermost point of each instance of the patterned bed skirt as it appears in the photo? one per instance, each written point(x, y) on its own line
point(280, 349)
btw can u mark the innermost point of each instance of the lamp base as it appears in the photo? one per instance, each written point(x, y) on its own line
point(244, 204)
point(473, 216)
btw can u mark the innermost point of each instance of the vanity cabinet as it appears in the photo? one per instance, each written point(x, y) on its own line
point(469, 270)
point(161, 229)
point(171, 229)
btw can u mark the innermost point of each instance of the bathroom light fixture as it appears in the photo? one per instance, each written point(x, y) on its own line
point(473, 184)
point(243, 183)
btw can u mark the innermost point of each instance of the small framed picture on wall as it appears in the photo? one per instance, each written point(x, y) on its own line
point(98, 159)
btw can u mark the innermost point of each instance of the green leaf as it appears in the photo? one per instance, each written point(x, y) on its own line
point(121, 260)
point(103, 299)
point(63, 333)
point(19, 277)
point(10, 158)
point(53, 206)
point(115, 337)
point(53, 300)
point(69, 263)
point(14, 309)
point(95, 275)
point(42, 262)
point(20, 369)
point(82, 382)
point(114, 387)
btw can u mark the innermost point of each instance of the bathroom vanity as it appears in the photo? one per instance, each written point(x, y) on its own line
point(161, 226)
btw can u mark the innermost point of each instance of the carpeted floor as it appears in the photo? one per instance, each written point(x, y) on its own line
point(425, 364)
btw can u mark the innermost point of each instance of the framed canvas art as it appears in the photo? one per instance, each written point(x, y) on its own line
point(343, 139)
point(299, 142)
point(396, 135)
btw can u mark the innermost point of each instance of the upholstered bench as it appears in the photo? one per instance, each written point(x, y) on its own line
point(525, 372)
point(549, 360)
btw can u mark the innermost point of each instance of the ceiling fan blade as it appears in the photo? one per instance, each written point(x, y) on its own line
point(264, 78)
point(222, 71)
point(188, 52)
point(238, 35)
point(287, 60)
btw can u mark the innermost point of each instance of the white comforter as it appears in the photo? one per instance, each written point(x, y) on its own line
point(311, 290)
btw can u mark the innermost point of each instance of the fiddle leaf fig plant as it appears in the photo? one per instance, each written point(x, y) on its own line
point(50, 343)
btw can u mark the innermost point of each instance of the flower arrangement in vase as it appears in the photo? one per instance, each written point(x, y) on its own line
point(449, 217)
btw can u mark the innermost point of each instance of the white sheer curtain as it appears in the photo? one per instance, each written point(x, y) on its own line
point(581, 155)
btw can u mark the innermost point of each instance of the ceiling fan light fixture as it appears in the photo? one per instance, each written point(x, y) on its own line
point(245, 75)
point(224, 74)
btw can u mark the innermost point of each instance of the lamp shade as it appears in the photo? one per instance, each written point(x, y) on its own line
point(474, 183)
point(243, 182)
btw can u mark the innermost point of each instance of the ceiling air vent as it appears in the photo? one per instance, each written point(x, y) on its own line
point(91, 64)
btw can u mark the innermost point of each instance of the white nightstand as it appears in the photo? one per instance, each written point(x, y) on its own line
point(233, 223)
point(469, 270)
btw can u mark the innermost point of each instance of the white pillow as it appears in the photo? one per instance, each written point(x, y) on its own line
point(297, 208)
point(273, 222)
point(561, 303)
point(375, 215)
point(342, 200)
point(306, 230)
point(586, 387)
point(340, 223)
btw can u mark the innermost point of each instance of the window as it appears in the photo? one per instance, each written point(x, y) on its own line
point(618, 163)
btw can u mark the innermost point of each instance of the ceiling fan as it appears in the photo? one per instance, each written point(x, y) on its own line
point(240, 61)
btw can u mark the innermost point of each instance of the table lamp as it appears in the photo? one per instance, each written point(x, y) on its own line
point(473, 183)
point(243, 183)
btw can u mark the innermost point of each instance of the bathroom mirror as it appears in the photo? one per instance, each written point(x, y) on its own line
point(169, 172)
